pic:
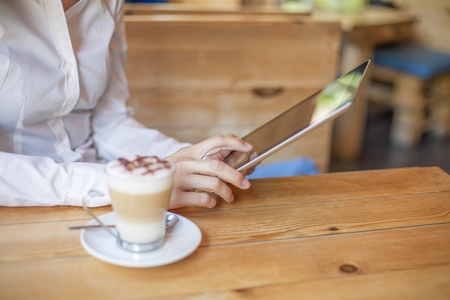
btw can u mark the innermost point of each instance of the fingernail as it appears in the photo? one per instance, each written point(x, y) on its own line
point(248, 145)
point(245, 183)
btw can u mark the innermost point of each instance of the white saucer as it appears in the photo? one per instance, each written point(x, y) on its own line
point(181, 240)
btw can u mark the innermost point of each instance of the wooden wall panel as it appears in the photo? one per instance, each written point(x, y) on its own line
point(433, 26)
point(192, 80)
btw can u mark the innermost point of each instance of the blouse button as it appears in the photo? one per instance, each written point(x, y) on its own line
point(68, 66)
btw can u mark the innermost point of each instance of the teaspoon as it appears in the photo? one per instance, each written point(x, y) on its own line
point(171, 219)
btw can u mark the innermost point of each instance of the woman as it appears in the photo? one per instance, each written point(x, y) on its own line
point(63, 113)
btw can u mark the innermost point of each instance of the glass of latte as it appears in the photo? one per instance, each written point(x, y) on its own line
point(140, 189)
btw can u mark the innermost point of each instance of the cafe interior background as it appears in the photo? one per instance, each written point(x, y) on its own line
point(221, 81)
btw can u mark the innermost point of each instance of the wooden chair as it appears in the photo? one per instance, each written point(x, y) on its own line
point(415, 80)
point(196, 77)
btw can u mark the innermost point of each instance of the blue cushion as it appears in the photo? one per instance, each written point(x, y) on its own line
point(292, 167)
point(413, 59)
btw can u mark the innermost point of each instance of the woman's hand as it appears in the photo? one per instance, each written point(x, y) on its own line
point(201, 167)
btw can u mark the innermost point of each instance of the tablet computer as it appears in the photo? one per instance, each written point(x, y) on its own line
point(289, 126)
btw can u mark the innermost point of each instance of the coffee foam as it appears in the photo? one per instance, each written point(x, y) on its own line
point(140, 174)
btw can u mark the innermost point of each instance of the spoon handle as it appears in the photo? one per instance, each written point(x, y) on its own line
point(171, 219)
point(90, 227)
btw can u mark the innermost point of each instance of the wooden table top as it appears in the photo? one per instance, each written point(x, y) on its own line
point(358, 235)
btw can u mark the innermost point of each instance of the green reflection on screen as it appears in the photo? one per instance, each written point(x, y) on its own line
point(336, 94)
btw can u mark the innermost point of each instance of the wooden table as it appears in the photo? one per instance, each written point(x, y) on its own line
point(361, 235)
point(363, 31)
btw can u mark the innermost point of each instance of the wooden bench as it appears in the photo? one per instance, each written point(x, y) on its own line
point(193, 78)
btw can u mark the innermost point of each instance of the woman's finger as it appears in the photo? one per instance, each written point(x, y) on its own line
point(218, 169)
point(186, 198)
point(219, 143)
point(212, 184)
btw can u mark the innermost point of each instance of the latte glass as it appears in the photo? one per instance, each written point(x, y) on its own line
point(140, 190)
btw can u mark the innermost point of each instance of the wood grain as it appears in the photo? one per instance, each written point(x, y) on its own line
point(236, 268)
point(27, 215)
point(290, 217)
point(433, 26)
point(359, 235)
point(211, 55)
point(321, 218)
point(338, 186)
point(252, 225)
point(405, 284)
point(275, 191)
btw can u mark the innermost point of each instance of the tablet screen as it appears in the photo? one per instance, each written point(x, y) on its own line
point(304, 116)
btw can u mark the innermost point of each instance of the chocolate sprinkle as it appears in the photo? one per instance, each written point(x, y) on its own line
point(145, 162)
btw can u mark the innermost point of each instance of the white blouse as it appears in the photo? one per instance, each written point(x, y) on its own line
point(63, 94)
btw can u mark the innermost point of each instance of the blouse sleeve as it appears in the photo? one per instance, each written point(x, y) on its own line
point(44, 182)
